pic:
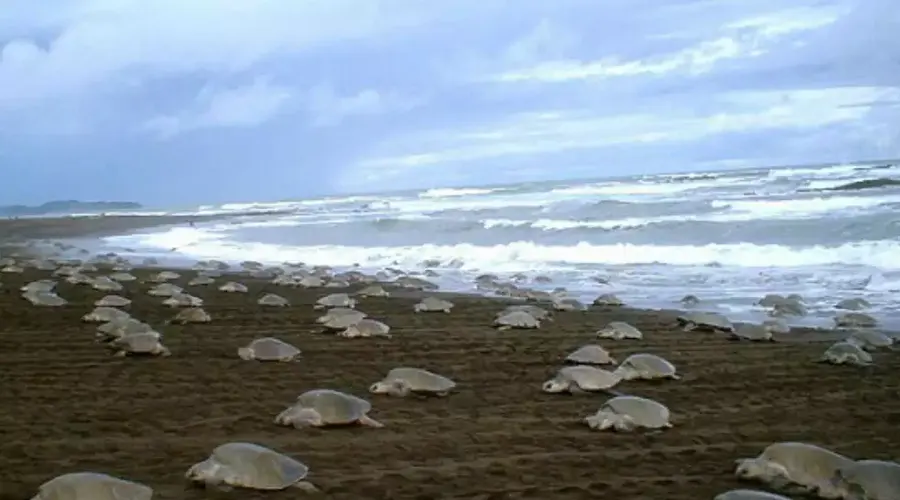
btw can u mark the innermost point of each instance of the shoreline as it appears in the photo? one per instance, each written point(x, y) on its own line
point(28, 235)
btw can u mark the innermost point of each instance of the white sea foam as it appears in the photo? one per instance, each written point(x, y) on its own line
point(200, 243)
point(803, 207)
point(451, 192)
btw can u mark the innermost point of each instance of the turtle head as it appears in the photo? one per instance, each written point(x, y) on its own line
point(554, 386)
point(626, 372)
point(840, 486)
point(757, 468)
point(245, 353)
point(205, 472)
point(381, 387)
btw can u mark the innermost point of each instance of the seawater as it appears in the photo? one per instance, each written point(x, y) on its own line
point(727, 237)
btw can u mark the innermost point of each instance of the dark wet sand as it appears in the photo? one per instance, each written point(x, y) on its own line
point(68, 406)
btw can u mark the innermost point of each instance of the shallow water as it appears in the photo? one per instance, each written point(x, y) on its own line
point(727, 237)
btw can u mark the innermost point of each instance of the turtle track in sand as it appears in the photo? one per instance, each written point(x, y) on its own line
point(67, 405)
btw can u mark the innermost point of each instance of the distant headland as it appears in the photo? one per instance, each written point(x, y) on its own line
point(67, 207)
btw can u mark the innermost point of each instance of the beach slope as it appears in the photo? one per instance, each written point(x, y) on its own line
point(69, 406)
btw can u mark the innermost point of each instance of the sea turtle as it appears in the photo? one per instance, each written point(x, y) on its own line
point(689, 300)
point(590, 354)
point(789, 307)
point(164, 290)
point(518, 320)
point(705, 322)
point(567, 304)
point(144, 343)
point(536, 312)
point(868, 480)
point(191, 315)
point(846, 353)
point(777, 326)
point(373, 291)
point(335, 300)
point(644, 366)
point(403, 381)
point(101, 283)
point(352, 315)
point(752, 332)
point(163, 276)
point(122, 277)
point(183, 300)
point(581, 378)
point(201, 280)
point(627, 413)
point(269, 349)
point(92, 486)
point(251, 466)
point(113, 301)
point(366, 328)
point(414, 283)
point(433, 304)
point(47, 299)
point(794, 467)
point(871, 340)
point(608, 300)
point(233, 287)
point(121, 327)
point(39, 286)
point(325, 407)
point(272, 300)
point(855, 320)
point(855, 304)
point(749, 495)
point(619, 330)
point(341, 322)
point(103, 314)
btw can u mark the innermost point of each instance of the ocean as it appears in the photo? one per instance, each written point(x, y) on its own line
point(727, 237)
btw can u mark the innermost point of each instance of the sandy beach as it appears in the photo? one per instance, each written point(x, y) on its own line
point(70, 406)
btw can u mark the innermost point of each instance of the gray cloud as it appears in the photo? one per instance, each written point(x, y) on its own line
point(271, 99)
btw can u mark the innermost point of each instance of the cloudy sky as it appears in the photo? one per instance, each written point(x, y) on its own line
point(238, 100)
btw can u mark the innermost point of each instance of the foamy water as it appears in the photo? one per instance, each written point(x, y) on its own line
point(728, 238)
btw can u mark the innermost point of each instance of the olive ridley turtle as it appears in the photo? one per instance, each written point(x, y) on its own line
point(871, 340)
point(433, 304)
point(269, 349)
point(581, 378)
point(846, 353)
point(517, 319)
point(627, 413)
point(590, 354)
point(143, 343)
point(749, 495)
point(251, 466)
point(273, 300)
point(335, 300)
point(644, 366)
point(868, 480)
point(619, 330)
point(752, 333)
point(92, 486)
point(113, 301)
point(326, 407)
point(403, 381)
point(366, 327)
point(705, 322)
point(794, 467)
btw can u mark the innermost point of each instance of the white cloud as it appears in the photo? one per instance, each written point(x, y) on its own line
point(245, 106)
point(327, 109)
point(535, 134)
point(747, 38)
point(108, 39)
